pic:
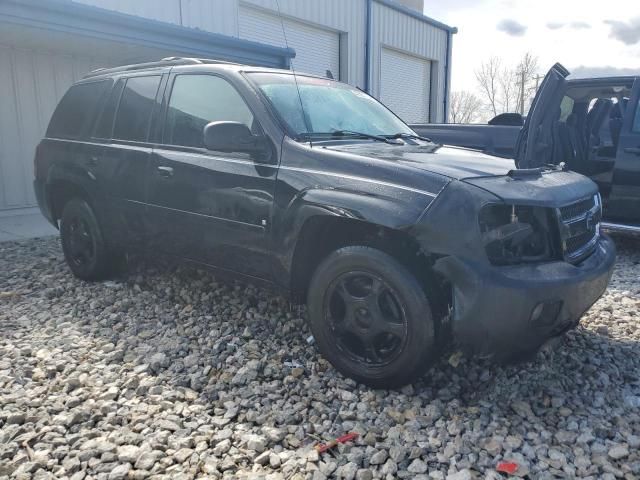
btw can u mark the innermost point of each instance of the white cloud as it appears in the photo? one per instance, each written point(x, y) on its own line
point(556, 32)
point(626, 32)
point(512, 27)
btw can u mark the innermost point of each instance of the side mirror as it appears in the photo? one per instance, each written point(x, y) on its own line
point(235, 137)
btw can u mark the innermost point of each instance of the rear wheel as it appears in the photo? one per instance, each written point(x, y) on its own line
point(83, 242)
point(371, 318)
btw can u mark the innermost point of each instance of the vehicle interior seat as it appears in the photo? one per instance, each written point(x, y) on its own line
point(563, 149)
point(577, 141)
point(615, 123)
point(595, 120)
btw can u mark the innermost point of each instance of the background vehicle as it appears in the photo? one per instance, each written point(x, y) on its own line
point(497, 137)
point(395, 244)
point(592, 124)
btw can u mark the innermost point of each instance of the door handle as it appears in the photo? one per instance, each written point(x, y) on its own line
point(634, 150)
point(92, 161)
point(165, 172)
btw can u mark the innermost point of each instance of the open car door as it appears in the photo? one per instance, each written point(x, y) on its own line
point(534, 146)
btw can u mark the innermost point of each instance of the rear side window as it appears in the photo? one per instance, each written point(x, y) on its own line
point(636, 120)
point(197, 100)
point(134, 111)
point(104, 126)
point(75, 113)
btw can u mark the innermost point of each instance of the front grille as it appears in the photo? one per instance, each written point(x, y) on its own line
point(575, 243)
point(579, 224)
point(576, 209)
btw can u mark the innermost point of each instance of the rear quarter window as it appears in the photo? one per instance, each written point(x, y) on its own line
point(75, 114)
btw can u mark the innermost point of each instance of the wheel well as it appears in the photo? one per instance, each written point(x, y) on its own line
point(322, 235)
point(61, 192)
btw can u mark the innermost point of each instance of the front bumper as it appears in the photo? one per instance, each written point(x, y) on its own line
point(494, 308)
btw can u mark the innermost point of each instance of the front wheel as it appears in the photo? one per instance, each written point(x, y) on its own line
point(83, 242)
point(371, 318)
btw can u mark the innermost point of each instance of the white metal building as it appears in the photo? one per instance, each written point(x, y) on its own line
point(392, 51)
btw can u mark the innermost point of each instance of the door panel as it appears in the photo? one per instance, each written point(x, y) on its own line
point(124, 159)
point(125, 168)
point(206, 206)
point(534, 147)
point(212, 209)
point(624, 201)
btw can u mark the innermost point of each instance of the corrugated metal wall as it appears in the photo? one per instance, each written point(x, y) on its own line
point(162, 10)
point(394, 29)
point(317, 48)
point(31, 84)
point(219, 16)
point(345, 16)
point(390, 28)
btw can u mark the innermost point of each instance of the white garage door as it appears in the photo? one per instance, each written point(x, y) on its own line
point(405, 83)
point(317, 49)
point(31, 83)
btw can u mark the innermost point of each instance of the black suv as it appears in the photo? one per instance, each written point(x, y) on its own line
point(398, 245)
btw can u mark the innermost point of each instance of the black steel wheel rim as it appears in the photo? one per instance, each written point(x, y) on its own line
point(366, 317)
point(80, 242)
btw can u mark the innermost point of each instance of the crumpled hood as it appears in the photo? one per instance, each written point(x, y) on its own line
point(453, 162)
point(552, 188)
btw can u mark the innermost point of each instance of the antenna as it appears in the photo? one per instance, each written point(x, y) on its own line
point(295, 79)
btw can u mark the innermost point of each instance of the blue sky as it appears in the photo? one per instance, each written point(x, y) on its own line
point(588, 37)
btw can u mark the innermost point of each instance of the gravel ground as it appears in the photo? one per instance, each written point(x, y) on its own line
point(166, 373)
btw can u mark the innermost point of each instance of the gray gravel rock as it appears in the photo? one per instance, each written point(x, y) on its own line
point(417, 466)
point(378, 458)
point(618, 451)
point(120, 472)
point(167, 373)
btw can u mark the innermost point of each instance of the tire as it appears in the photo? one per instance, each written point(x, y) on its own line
point(83, 242)
point(370, 318)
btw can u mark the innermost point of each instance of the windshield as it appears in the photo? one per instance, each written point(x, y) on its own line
point(329, 106)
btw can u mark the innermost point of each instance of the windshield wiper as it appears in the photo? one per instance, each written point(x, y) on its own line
point(351, 133)
point(408, 135)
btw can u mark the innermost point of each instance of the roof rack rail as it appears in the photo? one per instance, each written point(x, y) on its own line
point(165, 62)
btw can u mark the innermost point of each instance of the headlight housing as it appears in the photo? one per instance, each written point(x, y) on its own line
point(515, 234)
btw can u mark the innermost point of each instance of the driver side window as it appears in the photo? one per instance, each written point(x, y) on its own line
point(197, 100)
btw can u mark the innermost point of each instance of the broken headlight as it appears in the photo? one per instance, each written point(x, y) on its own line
point(514, 234)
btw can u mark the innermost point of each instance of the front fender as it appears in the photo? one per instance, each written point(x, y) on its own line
point(388, 207)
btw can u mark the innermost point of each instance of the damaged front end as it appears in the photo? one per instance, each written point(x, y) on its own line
point(516, 234)
point(523, 257)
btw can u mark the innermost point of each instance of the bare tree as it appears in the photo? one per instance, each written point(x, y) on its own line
point(508, 97)
point(507, 89)
point(464, 107)
point(488, 79)
point(526, 72)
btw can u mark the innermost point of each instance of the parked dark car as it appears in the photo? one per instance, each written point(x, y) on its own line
point(590, 124)
point(396, 244)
